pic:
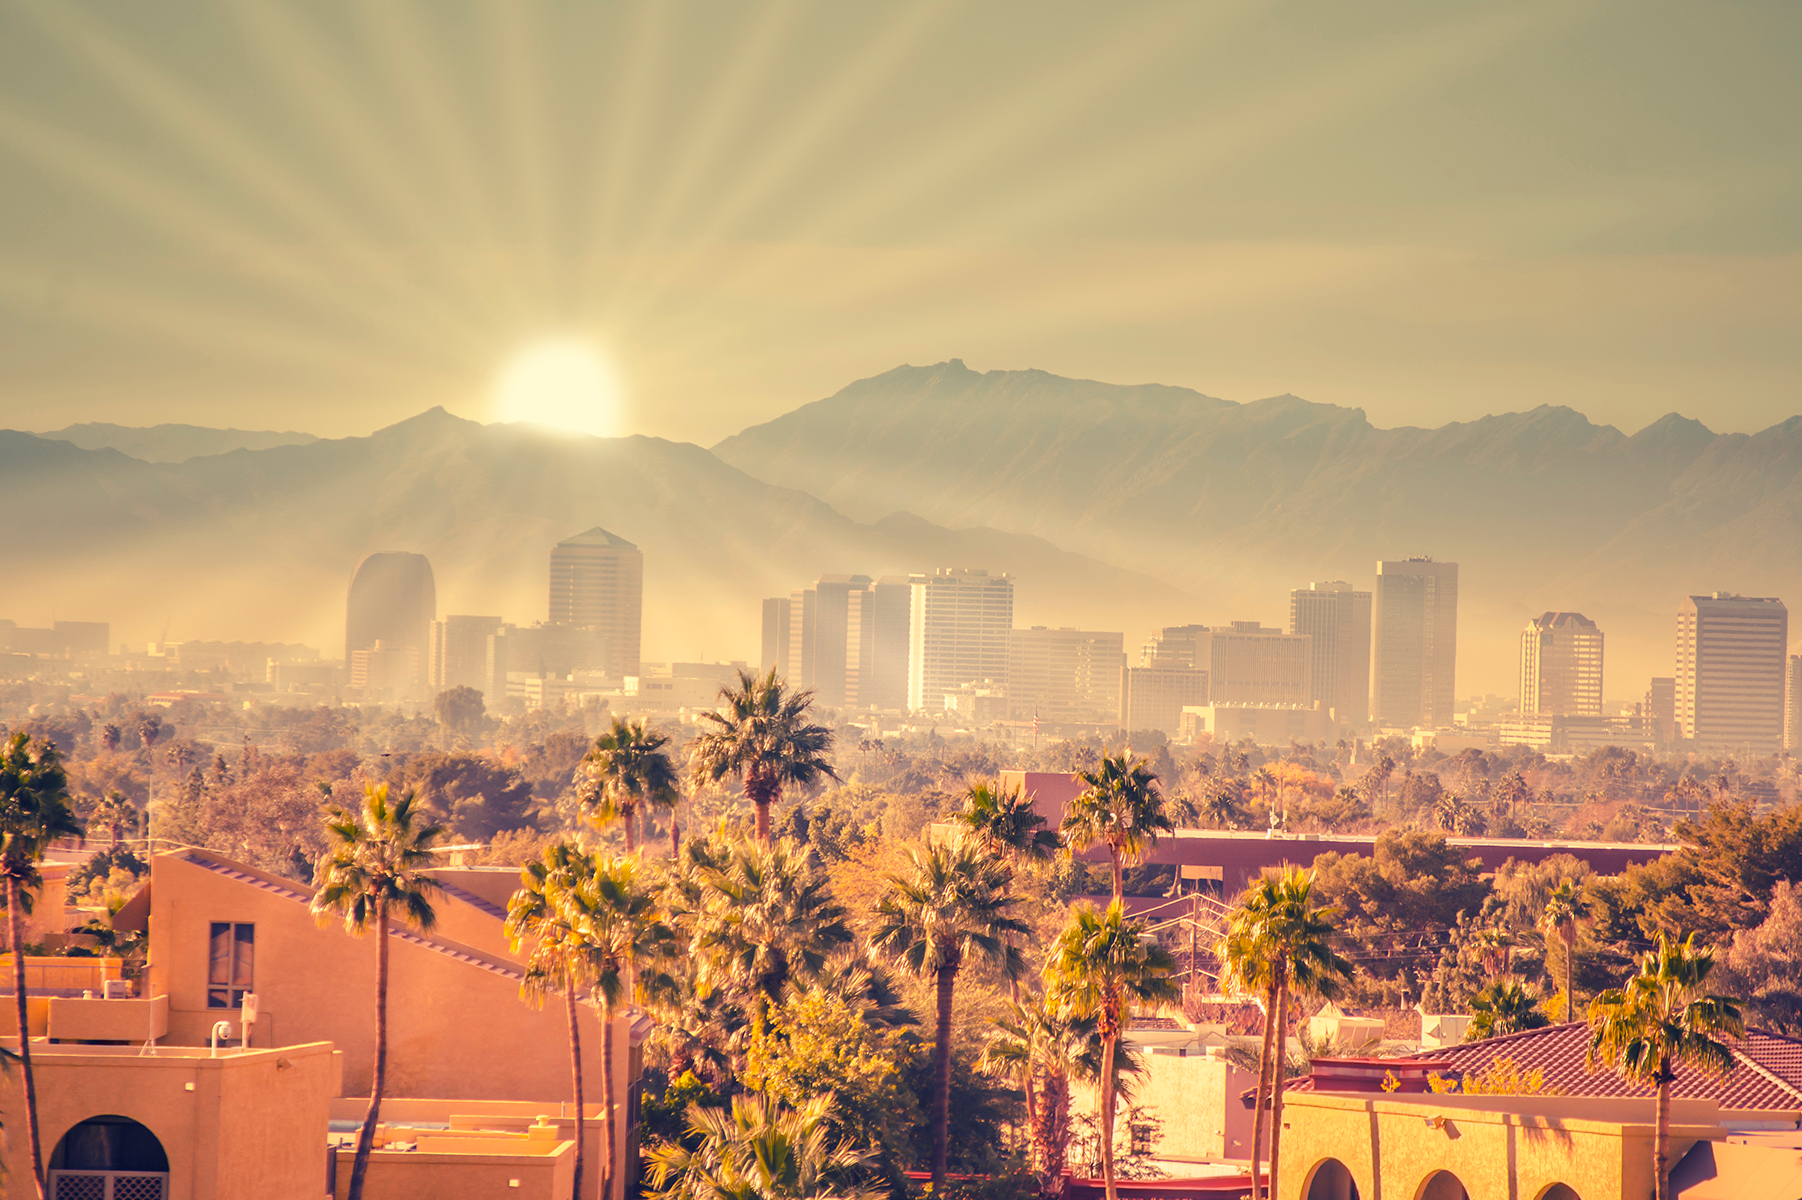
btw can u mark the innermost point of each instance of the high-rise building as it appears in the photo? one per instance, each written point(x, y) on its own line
point(878, 621)
point(1175, 645)
point(1731, 662)
point(1337, 617)
point(1661, 710)
point(1792, 705)
point(828, 651)
point(1065, 674)
point(1250, 664)
point(393, 600)
point(1414, 643)
point(459, 656)
point(1561, 666)
point(801, 605)
point(597, 582)
point(775, 635)
point(958, 626)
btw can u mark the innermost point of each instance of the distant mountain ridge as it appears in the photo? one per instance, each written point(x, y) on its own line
point(1237, 503)
point(172, 443)
point(260, 544)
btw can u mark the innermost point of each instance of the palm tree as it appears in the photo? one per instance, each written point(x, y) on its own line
point(1278, 941)
point(629, 768)
point(1563, 909)
point(1040, 1048)
point(1100, 964)
point(1221, 802)
point(617, 921)
point(1505, 1007)
point(34, 813)
point(538, 912)
point(764, 739)
point(1121, 807)
point(761, 1150)
point(951, 908)
point(1661, 1018)
point(1006, 823)
point(374, 870)
point(115, 814)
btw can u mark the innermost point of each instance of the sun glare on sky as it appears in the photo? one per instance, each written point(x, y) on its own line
point(564, 384)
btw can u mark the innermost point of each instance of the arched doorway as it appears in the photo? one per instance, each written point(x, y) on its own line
point(1560, 1191)
point(1443, 1185)
point(109, 1158)
point(1331, 1180)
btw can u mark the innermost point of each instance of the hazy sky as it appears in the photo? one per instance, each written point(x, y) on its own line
point(330, 215)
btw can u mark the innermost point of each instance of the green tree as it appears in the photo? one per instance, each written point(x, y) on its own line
point(1006, 823)
point(374, 872)
point(763, 738)
point(1505, 1007)
point(1279, 941)
point(950, 908)
point(1120, 806)
point(1563, 909)
point(1660, 1018)
point(34, 813)
point(818, 1042)
point(1100, 964)
point(115, 814)
point(460, 710)
point(762, 1150)
point(1040, 1048)
point(628, 770)
point(539, 913)
point(618, 923)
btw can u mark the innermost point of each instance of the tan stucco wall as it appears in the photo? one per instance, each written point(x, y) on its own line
point(455, 1029)
point(253, 1125)
point(1392, 1147)
point(413, 1175)
point(1197, 1099)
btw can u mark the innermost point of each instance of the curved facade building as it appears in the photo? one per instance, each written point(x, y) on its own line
point(393, 601)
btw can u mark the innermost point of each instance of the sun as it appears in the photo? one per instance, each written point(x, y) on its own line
point(564, 383)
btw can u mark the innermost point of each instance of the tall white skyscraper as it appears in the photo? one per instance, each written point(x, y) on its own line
point(958, 633)
point(1561, 666)
point(1731, 661)
point(597, 582)
point(1337, 617)
point(1415, 643)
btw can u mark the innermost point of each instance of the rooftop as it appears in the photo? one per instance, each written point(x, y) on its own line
point(598, 537)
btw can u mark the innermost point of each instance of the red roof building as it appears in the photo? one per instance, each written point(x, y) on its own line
point(1766, 1072)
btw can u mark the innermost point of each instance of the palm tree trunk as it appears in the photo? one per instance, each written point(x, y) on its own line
point(366, 1136)
point(607, 1098)
point(1119, 876)
point(675, 836)
point(941, 1089)
point(1277, 1064)
point(16, 929)
point(575, 1064)
point(1262, 1093)
point(1570, 974)
point(630, 820)
point(1107, 1112)
point(1661, 1134)
point(1051, 1134)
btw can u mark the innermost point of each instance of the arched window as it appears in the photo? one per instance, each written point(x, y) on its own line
point(1443, 1185)
point(1331, 1181)
point(109, 1158)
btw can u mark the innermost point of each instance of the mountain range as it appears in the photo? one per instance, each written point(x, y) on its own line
point(1116, 506)
point(260, 543)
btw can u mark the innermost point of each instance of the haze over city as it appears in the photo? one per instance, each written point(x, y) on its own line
point(786, 601)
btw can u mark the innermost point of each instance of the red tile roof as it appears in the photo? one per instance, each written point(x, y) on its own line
point(1767, 1069)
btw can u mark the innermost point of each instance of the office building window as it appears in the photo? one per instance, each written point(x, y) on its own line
point(231, 955)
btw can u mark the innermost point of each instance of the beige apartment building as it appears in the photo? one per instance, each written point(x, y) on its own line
point(1731, 666)
point(960, 620)
point(1072, 675)
point(1561, 666)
